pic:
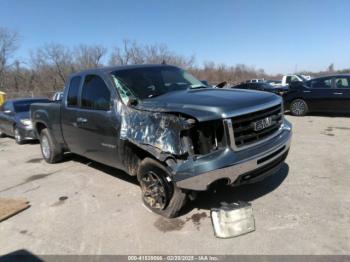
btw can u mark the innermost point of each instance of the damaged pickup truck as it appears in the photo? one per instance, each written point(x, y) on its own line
point(159, 123)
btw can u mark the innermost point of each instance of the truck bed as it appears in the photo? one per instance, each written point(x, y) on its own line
point(49, 115)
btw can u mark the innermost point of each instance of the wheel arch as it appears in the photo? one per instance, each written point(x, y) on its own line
point(132, 155)
point(39, 126)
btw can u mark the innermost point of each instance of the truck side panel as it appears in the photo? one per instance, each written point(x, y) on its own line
point(49, 116)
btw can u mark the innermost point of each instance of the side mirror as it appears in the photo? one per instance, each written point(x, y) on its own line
point(8, 112)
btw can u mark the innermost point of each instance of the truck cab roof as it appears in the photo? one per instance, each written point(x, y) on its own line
point(110, 69)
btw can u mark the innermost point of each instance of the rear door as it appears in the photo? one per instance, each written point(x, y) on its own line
point(319, 95)
point(69, 109)
point(341, 93)
point(97, 121)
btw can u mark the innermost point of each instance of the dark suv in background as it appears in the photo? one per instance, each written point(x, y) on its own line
point(263, 86)
point(324, 94)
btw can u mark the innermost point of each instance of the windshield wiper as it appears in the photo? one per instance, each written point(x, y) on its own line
point(195, 87)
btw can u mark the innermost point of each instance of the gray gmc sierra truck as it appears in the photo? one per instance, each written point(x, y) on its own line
point(173, 132)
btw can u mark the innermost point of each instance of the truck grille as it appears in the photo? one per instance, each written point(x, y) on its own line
point(243, 125)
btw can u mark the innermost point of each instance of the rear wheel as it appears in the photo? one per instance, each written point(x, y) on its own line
point(299, 107)
point(2, 134)
point(18, 138)
point(159, 194)
point(51, 152)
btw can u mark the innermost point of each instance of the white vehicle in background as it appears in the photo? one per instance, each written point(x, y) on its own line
point(287, 79)
point(57, 96)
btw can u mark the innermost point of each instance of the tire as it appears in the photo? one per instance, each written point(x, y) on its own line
point(299, 107)
point(166, 199)
point(2, 134)
point(18, 138)
point(50, 151)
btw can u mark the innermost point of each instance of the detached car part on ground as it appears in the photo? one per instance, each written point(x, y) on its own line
point(15, 120)
point(162, 125)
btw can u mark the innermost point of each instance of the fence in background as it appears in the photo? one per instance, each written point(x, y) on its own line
point(13, 95)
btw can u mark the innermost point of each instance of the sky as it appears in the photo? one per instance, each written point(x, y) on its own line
point(280, 36)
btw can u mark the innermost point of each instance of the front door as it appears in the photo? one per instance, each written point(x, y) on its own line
point(97, 122)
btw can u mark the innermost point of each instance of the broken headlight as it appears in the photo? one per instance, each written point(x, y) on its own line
point(207, 136)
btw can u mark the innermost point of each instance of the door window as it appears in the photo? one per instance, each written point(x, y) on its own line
point(95, 94)
point(72, 98)
point(341, 82)
point(322, 83)
point(294, 79)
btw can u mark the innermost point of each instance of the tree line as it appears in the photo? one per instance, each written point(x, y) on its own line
point(49, 66)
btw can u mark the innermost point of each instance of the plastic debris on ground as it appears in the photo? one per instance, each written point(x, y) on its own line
point(232, 220)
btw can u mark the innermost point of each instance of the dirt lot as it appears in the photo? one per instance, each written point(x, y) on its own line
point(81, 207)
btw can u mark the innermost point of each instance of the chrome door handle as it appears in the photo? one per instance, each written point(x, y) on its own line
point(306, 91)
point(337, 93)
point(81, 120)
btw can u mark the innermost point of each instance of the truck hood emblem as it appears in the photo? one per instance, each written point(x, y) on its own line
point(262, 124)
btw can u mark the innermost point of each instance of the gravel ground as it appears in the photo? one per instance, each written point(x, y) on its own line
point(82, 207)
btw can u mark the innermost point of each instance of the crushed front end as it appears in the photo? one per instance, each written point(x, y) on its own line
point(235, 149)
point(241, 147)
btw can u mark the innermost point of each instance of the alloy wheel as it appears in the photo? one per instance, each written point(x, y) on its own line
point(299, 108)
point(45, 147)
point(154, 191)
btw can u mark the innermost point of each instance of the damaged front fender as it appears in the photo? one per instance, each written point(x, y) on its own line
point(159, 133)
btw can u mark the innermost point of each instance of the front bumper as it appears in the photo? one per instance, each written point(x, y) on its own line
point(238, 167)
point(27, 133)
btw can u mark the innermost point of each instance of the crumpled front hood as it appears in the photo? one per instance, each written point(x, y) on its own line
point(210, 103)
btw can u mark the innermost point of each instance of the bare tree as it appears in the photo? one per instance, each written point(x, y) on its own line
point(129, 53)
point(9, 42)
point(89, 56)
point(55, 57)
point(51, 64)
point(134, 53)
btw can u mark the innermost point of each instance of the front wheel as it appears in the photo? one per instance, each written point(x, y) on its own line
point(2, 134)
point(18, 137)
point(51, 153)
point(159, 194)
point(298, 107)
